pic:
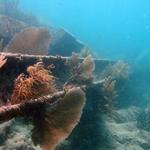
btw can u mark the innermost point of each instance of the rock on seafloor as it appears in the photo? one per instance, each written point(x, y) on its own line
point(122, 127)
point(15, 135)
point(125, 132)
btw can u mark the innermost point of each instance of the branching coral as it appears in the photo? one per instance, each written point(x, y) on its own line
point(39, 82)
point(53, 122)
point(31, 40)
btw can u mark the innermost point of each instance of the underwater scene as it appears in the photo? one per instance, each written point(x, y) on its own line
point(74, 75)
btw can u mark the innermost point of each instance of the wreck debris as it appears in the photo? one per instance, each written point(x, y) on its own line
point(32, 41)
point(59, 112)
point(64, 43)
point(53, 119)
point(41, 112)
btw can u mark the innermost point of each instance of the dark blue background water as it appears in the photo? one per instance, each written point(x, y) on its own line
point(112, 28)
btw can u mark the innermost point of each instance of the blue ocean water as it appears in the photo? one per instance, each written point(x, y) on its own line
point(112, 28)
point(116, 114)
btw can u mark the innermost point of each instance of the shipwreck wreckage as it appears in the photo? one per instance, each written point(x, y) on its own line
point(55, 93)
point(62, 97)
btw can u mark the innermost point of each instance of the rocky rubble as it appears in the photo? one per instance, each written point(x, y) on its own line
point(14, 135)
point(123, 128)
point(125, 131)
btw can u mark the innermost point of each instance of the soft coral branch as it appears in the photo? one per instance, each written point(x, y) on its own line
point(38, 82)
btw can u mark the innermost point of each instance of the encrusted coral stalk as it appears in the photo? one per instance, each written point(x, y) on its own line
point(50, 57)
point(10, 111)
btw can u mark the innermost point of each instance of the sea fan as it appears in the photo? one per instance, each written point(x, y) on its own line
point(81, 73)
point(51, 127)
point(32, 41)
point(39, 82)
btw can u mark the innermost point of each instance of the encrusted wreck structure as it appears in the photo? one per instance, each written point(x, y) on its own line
point(54, 95)
point(28, 90)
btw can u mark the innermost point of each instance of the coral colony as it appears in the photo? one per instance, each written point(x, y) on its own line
point(49, 92)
